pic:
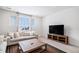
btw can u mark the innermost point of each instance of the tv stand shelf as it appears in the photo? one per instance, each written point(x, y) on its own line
point(60, 38)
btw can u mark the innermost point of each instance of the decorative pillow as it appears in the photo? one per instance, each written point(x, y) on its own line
point(16, 34)
point(21, 33)
point(11, 35)
point(24, 33)
point(27, 33)
point(32, 33)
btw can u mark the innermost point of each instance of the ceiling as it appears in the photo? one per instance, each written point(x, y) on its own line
point(36, 10)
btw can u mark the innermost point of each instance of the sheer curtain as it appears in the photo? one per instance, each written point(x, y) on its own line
point(36, 24)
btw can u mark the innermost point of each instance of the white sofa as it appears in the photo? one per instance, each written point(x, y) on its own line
point(15, 37)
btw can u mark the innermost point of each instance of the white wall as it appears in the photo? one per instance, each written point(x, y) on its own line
point(5, 22)
point(70, 19)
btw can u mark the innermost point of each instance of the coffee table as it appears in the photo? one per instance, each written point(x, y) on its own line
point(30, 45)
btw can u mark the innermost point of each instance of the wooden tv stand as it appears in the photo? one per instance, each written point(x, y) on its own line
point(60, 38)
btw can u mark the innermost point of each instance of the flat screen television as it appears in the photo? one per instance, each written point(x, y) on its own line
point(56, 29)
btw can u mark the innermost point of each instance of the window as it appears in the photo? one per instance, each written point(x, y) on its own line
point(23, 22)
point(13, 23)
point(13, 20)
point(32, 24)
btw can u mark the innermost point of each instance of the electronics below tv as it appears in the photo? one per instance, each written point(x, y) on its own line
point(56, 29)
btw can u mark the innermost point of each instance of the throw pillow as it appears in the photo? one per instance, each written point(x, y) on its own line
point(16, 34)
point(11, 35)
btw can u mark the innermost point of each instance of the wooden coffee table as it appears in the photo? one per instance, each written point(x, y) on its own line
point(30, 45)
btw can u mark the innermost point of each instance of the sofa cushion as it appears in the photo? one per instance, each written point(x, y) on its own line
point(11, 34)
point(16, 34)
point(22, 38)
point(24, 33)
point(32, 33)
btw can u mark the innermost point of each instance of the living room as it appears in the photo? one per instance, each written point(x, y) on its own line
point(24, 25)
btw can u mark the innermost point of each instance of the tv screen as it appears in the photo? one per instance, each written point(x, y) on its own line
point(56, 29)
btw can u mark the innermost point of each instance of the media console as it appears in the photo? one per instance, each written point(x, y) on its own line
point(60, 38)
